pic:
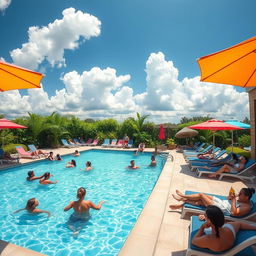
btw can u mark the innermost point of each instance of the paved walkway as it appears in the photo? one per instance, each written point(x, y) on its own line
point(160, 231)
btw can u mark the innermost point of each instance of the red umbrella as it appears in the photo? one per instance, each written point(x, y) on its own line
point(161, 135)
point(215, 125)
point(7, 124)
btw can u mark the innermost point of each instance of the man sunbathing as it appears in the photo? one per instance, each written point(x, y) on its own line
point(214, 234)
point(231, 205)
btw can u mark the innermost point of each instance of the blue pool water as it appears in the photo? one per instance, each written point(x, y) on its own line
point(124, 192)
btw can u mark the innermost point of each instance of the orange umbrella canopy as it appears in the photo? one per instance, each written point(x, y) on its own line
point(235, 65)
point(13, 77)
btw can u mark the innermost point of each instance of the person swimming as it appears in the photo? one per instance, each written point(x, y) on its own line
point(132, 166)
point(58, 157)
point(71, 164)
point(153, 161)
point(76, 153)
point(31, 207)
point(81, 209)
point(88, 166)
point(45, 180)
point(32, 176)
point(50, 156)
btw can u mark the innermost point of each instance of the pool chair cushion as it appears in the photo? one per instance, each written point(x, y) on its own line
point(242, 245)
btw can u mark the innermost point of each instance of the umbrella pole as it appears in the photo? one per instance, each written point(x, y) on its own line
point(232, 134)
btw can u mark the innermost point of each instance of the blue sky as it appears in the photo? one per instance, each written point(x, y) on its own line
point(138, 56)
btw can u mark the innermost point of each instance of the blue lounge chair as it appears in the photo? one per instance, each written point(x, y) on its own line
point(191, 158)
point(189, 154)
point(188, 208)
point(217, 156)
point(200, 147)
point(130, 144)
point(7, 158)
point(240, 175)
point(242, 246)
point(66, 144)
point(106, 143)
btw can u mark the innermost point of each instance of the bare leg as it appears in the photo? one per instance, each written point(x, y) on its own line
point(176, 206)
point(225, 168)
point(194, 197)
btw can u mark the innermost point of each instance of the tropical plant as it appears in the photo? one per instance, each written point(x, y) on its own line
point(244, 141)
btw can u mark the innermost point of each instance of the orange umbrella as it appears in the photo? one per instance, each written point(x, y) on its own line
point(13, 77)
point(235, 65)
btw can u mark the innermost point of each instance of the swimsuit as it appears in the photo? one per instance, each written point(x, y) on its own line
point(231, 228)
point(83, 216)
point(224, 205)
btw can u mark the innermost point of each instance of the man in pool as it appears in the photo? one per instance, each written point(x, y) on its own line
point(132, 166)
point(81, 210)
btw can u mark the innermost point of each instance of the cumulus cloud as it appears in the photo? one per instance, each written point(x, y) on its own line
point(49, 42)
point(101, 93)
point(4, 4)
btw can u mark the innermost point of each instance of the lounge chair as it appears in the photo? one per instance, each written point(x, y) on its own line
point(113, 143)
point(77, 142)
point(106, 143)
point(95, 143)
point(197, 149)
point(191, 158)
point(244, 240)
point(25, 154)
point(200, 209)
point(240, 175)
point(87, 143)
point(6, 158)
point(130, 144)
point(66, 144)
point(203, 151)
point(37, 152)
point(120, 144)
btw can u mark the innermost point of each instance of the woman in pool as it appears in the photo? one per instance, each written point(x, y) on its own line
point(153, 161)
point(71, 164)
point(31, 207)
point(32, 176)
point(45, 180)
point(81, 209)
point(232, 206)
point(236, 168)
point(58, 157)
point(214, 234)
point(51, 157)
point(76, 153)
point(132, 166)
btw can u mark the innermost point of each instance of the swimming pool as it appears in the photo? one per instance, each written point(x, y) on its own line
point(124, 192)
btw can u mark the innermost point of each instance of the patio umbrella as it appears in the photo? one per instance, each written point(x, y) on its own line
point(186, 133)
point(7, 124)
point(235, 65)
point(161, 135)
point(215, 125)
point(239, 124)
point(13, 77)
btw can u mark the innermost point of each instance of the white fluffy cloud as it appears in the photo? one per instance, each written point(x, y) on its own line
point(50, 42)
point(101, 93)
point(4, 4)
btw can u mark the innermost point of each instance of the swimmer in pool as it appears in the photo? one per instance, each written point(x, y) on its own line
point(81, 210)
point(45, 180)
point(132, 166)
point(32, 176)
point(31, 207)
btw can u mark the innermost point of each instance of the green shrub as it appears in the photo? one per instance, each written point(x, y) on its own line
point(244, 140)
point(239, 151)
point(10, 148)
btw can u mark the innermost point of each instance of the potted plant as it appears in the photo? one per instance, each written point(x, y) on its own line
point(170, 143)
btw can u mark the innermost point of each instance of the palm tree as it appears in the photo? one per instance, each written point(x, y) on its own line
point(139, 123)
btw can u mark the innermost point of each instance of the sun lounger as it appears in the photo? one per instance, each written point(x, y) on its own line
point(191, 158)
point(242, 175)
point(200, 209)
point(77, 142)
point(106, 143)
point(113, 143)
point(25, 154)
point(189, 154)
point(120, 144)
point(244, 240)
point(66, 144)
point(130, 144)
point(195, 160)
point(200, 147)
point(37, 152)
point(87, 143)
point(95, 143)
point(6, 158)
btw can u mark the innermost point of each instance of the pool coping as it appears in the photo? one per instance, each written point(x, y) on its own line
point(144, 230)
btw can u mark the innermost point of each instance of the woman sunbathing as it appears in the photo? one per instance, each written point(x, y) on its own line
point(234, 169)
point(231, 205)
point(214, 234)
point(31, 207)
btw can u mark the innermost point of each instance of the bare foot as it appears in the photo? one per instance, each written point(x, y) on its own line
point(176, 206)
point(179, 193)
point(177, 198)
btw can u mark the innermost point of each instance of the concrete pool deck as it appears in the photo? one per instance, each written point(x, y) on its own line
point(158, 231)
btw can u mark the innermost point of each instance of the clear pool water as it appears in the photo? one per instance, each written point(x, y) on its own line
point(124, 192)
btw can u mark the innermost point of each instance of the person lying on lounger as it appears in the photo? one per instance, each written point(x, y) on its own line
point(45, 180)
point(32, 176)
point(206, 155)
point(231, 161)
point(234, 169)
point(235, 205)
point(214, 234)
point(31, 207)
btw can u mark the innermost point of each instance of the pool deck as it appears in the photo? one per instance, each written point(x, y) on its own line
point(159, 231)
